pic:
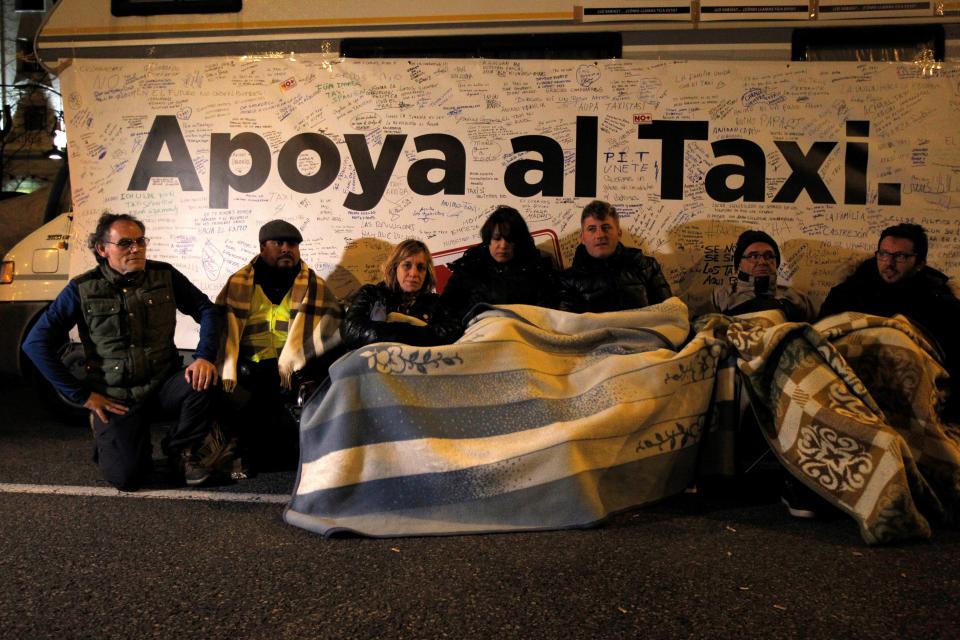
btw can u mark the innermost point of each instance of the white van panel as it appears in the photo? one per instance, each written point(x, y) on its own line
point(85, 28)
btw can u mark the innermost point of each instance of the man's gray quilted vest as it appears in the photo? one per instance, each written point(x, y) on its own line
point(128, 337)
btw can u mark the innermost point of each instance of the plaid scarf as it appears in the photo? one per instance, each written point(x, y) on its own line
point(314, 322)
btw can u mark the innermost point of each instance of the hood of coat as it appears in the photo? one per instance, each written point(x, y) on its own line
point(478, 258)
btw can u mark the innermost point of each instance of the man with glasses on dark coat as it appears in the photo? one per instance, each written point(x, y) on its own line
point(896, 280)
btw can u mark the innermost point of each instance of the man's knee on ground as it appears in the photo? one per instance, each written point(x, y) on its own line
point(125, 475)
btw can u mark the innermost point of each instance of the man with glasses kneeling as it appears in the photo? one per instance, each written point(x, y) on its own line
point(125, 310)
point(898, 280)
point(756, 259)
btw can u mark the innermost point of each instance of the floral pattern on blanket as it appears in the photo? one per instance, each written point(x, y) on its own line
point(394, 358)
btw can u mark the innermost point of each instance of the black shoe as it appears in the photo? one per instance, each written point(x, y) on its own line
point(194, 473)
point(800, 501)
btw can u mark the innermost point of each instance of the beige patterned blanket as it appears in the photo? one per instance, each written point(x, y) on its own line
point(850, 408)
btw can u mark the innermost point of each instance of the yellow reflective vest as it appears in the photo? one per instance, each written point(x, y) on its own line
point(266, 329)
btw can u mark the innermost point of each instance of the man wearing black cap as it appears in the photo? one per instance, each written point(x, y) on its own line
point(281, 318)
point(756, 259)
point(606, 275)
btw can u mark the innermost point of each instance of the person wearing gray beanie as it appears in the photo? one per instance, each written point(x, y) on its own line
point(749, 237)
point(756, 258)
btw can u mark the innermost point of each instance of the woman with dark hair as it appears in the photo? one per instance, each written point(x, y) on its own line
point(506, 268)
point(400, 308)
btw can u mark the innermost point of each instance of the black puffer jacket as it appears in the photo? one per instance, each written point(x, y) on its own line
point(478, 278)
point(626, 280)
point(365, 320)
point(925, 298)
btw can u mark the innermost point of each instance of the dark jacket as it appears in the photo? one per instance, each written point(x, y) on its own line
point(365, 320)
point(126, 325)
point(478, 278)
point(626, 280)
point(925, 298)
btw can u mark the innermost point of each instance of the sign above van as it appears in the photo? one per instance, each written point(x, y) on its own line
point(168, 7)
point(754, 30)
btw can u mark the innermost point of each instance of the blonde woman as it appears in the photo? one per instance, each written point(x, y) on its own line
point(402, 307)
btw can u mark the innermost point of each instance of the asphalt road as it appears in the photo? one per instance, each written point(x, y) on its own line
point(114, 566)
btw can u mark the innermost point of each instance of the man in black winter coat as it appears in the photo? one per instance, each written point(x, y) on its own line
point(607, 276)
point(898, 280)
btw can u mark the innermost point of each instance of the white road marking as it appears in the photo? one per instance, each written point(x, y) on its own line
point(171, 494)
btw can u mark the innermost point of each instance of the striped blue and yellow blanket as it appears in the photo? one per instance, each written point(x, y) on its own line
point(534, 419)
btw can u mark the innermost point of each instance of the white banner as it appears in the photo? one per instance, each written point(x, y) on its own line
point(362, 154)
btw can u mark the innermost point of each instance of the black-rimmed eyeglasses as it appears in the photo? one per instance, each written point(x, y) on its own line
point(899, 257)
point(766, 256)
point(126, 243)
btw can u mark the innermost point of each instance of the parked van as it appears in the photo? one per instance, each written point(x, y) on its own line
point(35, 268)
point(33, 273)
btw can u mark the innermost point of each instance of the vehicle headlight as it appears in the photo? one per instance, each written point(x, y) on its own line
point(6, 272)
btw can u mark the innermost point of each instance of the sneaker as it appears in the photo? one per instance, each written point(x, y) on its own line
point(800, 501)
point(194, 473)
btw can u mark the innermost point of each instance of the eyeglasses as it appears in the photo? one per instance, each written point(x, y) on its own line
point(766, 256)
point(126, 243)
point(899, 257)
